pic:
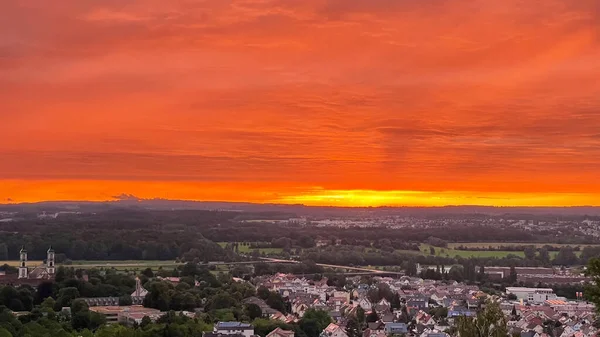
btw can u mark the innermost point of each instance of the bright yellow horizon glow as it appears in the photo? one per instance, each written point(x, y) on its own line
point(366, 198)
point(21, 191)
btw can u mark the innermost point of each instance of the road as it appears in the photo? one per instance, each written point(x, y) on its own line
point(374, 271)
point(261, 259)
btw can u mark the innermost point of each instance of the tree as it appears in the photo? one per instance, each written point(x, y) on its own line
point(3, 252)
point(78, 306)
point(44, 290)
point(5, 333)
point(411, 268)
point(592, 290)
point(190, 269)
point(263, 293)
point(145, 322)
point(276, 302)
point(530, 252)
point(360, 316)
point(396, 303)
point(310, 327)
point(66, 297)
point(97, 320)
point(80, 320)
point(512, 276)
point(566, 257)
point(253, 311)
point(306, 241)
point(352, 328)
point(321, 318)
point(481, 275)
point(125, 300)
point(456, 273)
point(544, 256)
point(148, 272)
point(372, 317)
point(431, 250)
point(489, 322)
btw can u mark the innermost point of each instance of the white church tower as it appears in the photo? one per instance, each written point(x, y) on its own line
point(50, 267)
point(23, 272)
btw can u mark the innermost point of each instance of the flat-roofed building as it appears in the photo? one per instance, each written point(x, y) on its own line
point(532, 295)
point(234, 328)
point(126, 314)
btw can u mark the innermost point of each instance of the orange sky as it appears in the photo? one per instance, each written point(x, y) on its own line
point(335, 102)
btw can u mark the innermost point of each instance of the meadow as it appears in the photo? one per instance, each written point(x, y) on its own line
point(455, 245)
point(452, 250)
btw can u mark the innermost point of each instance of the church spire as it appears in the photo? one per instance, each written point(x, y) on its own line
point(23, 271)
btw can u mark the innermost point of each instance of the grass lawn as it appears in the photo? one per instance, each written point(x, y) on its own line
point(500, 244)
point(452, 252)
point(124, 264)
point(247, 249)
point(449, 252)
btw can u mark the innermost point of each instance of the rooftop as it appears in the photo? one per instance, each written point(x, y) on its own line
point(233, 325)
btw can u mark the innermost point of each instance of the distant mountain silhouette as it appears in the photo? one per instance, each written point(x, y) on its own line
point(128, 200)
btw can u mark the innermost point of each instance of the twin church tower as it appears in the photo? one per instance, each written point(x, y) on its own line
point(46, 270)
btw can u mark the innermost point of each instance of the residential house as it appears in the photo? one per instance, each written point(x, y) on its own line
point(461, 311)
point(384, 302)
point(388, 318)
point(434, 334)
point(336, 316)
point(232, 328)
point(364, 303)
point(341, 295)
point(279, 332)
point(424, 318)
point(333, 330)
point(215, 334)
point(373, 333)
point(299, 308)
point(376, 326)
point(395, 328)
point(417, 303)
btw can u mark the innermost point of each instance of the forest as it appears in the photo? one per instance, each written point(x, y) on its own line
point(192, 235)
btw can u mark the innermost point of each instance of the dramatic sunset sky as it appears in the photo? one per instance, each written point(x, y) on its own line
point(321, 102)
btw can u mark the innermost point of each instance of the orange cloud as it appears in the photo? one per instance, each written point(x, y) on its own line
point(491, 101)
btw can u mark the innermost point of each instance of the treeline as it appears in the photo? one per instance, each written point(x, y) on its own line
point(260, 232)
point(117, 235)
point(138, 234)
point(361, 256)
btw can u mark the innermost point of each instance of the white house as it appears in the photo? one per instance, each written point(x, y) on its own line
point(364, 303)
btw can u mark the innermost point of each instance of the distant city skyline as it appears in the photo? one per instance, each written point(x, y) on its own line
point(339, 102)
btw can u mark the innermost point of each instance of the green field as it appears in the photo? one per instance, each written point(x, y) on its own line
point(122, 265)
point(246, 249)
point(466, 254)
point(125, 264)
point(451, 251)
point(500, 244)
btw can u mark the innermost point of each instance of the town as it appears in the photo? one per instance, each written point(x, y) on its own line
point(279, 304)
